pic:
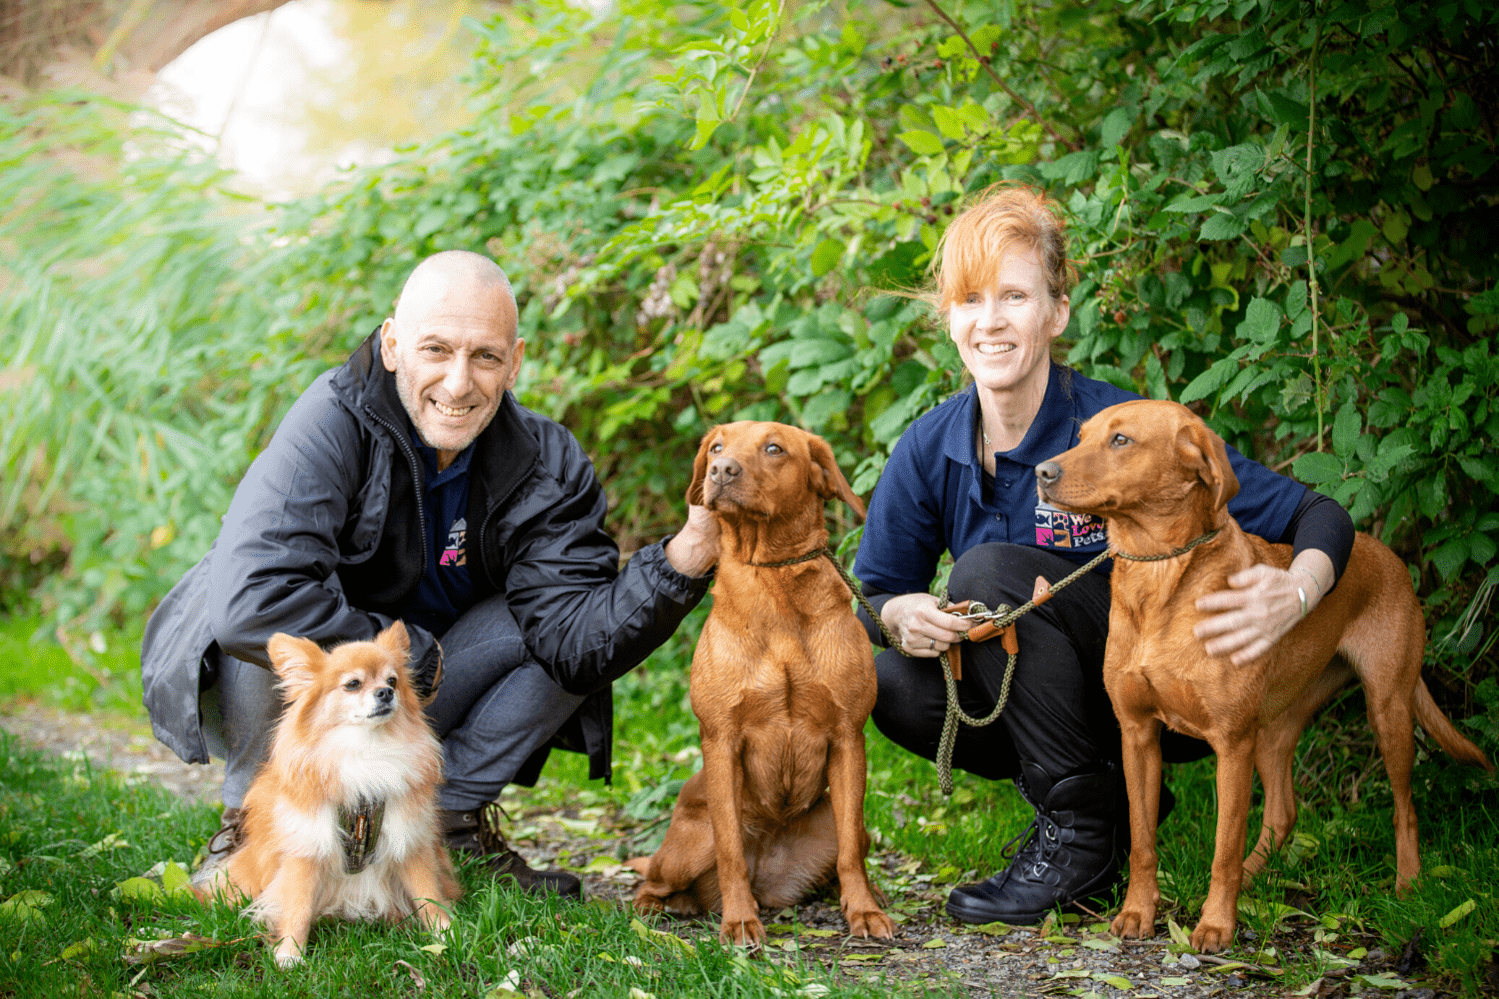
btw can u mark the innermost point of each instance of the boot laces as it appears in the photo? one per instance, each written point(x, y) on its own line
point(491, 840)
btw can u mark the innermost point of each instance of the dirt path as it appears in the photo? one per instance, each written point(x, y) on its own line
point(929, 947)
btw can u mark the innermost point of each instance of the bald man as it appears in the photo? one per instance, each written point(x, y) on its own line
point(409, 484)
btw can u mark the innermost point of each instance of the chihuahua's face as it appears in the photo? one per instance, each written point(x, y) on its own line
point(358, 683)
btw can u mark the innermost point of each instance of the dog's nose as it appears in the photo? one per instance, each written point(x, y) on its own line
point(723, 469)
point(385, 695)
point(1048, 472)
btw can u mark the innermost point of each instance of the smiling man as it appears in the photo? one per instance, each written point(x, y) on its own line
point(408, 483)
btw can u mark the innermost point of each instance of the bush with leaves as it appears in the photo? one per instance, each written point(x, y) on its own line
point(1284, 215)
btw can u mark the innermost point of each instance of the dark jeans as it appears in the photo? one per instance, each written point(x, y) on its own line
point(1058, 715)
point(494, 709)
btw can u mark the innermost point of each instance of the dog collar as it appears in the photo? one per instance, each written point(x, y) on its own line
point(794, 561)
point(359, 832)
point(1173, 553)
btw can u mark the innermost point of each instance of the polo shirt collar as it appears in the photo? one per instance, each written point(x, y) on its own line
point(1052, 431)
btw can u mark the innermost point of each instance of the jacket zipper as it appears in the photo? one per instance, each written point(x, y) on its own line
point(416, 474)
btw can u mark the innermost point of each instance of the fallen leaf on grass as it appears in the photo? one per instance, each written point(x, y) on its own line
point(934, 944)
point(114, 841)
point(1180, 939)
point(141, 890)
point(1117, 981)
point(861, 957)
point(670, 941)
point(434, 949)
point(1175, 981)
point(1385, 980)
point(145, 951)
point(25, 907)
point(416, 976)
point(1110, 944)
point(1457, 914)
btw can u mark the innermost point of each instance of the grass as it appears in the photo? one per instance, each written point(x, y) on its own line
point(1330, 892)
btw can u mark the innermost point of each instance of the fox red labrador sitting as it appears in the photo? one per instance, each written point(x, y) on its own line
point(1161, 479)
point(782, 682)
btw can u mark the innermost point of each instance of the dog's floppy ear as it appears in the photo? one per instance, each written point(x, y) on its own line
point(700, 470)
point(827, 477)
point(296, 661)
point(395, 640)
point(1203, 450)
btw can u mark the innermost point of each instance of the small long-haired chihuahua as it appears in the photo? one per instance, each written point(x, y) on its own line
point(342, 818)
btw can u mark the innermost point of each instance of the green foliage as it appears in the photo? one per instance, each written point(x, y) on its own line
point(1283, 215)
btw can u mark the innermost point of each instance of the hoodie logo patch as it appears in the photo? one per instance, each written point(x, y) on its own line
point(454, 553)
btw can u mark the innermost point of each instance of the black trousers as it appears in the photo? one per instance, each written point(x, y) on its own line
point(1058, 715)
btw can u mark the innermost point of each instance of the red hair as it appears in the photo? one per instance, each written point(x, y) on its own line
point(1007, 216)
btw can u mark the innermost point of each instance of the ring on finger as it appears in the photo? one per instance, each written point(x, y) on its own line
point(932, 644)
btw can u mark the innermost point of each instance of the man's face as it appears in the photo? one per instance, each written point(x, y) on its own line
point(454, 353)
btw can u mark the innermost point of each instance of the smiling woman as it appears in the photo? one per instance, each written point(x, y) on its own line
point(962, 479)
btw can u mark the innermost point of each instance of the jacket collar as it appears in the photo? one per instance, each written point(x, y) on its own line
point(504, 452)
point(1053, 431)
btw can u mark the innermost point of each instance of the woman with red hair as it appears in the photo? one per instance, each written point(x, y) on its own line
point(962, 480)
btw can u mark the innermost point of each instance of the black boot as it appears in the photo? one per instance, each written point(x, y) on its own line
point(475, 832)
point(1067, 854)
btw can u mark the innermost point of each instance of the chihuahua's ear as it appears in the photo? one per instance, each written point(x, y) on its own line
point(700, 469)
point(827, 477)
point(395, 640)
point(296, 661)
point(1202, 450)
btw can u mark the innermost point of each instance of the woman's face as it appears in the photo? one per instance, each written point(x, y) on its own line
point(1004, 332)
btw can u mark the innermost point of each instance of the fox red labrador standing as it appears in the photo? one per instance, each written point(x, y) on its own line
point(1161, 479)
point(782, 682)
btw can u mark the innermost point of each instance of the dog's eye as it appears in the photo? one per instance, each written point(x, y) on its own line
point(1118, 440)
point(352, 685)
point(773, 449)
point(715, 449)
point(390, 681)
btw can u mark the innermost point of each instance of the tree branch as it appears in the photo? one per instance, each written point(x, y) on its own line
point(984, 62)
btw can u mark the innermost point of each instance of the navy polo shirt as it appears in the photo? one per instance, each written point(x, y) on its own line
point(446, 589)
point(935, 496)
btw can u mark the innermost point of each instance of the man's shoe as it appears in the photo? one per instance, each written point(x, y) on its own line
point(475, 833)
point(219, 847)
point(1066, 855)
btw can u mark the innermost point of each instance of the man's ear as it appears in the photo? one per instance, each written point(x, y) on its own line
point(388, 344)
point(700, 469)
point(827, 477)
point(1204, 451)
point(517, 354)
point(296, 662)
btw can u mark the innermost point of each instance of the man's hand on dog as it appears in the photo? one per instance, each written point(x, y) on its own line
point(694, 550)
point(1261, 606)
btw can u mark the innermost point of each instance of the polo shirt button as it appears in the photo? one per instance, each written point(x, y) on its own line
point(999, 516)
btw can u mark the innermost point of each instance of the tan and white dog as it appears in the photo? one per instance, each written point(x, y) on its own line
point(342, 818)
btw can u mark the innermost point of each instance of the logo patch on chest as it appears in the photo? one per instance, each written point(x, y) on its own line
point(455, 553)
point(1060, 529)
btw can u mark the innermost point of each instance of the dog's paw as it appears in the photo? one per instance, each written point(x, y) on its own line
point(871, 924)
point(288, 955)
point(1210, 937)
point(1134, 923)
point(640, 865)
point(748, 933)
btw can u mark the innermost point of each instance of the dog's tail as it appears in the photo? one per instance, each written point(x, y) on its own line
point(1439, 727)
